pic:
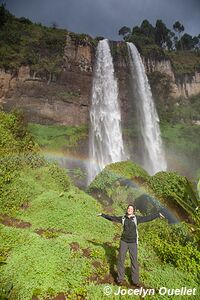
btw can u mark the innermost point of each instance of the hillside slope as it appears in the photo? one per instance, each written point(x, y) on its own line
point(53, 245)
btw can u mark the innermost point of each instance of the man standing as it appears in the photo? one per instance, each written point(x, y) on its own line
point(129, 241)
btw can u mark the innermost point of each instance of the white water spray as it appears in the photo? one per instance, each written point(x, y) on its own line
point(153, 154)
point(105, 141)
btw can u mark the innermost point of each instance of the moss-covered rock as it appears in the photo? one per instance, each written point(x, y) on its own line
point(129, 170)
point(110, 186)
point(126, 182)
point(173, 187)
point(122, 183)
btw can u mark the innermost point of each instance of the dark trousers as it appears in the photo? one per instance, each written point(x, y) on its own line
point(132, 247)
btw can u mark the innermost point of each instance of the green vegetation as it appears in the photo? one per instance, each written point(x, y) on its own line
point(58, 137)
point(162, 184)
point(158, 43)
point(175, 245)
point(26, 43)
point(184, 62)
point(172, 190)
point(160, 35)
point(106, 185)
point(14, 136)
point(175, 111)
point(40, 47)
point(177, 190)
point(84, 39)
point(128, 170)
point(52, 241)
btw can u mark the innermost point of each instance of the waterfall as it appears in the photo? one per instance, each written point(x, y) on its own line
point(105, 138)
point(148, 120)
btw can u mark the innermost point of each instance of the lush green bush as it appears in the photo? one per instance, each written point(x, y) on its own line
point(14, 137)
point(19, 153)
point(17, 187)
point(174, 244)
point(174, 187)
point(17, 150)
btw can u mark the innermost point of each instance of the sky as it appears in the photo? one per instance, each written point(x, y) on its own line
point(106, 17)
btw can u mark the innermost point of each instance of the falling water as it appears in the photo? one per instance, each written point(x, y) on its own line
point(105, 141)
point(152, 151)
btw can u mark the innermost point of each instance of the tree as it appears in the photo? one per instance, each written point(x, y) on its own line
point(178, 27)
point(187, 42)
point(161, 33)
point(3, 15)
point(171, 41)
point(136, 30)
point(147, 29)
point(196, 42)
point(124, 31)
point(25, 21)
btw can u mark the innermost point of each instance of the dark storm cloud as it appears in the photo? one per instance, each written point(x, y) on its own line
point(106, 17)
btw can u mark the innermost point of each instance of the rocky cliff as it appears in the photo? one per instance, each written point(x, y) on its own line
point(66, 98)
point(182, 86)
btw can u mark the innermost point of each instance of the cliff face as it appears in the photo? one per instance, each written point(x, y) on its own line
point(66, 99)
point(184, 86)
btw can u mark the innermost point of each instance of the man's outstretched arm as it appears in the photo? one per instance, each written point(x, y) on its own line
point(142, 219)
point(111, 218)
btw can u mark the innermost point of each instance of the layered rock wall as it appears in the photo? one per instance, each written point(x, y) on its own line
point(66, 99)
point(186, 86)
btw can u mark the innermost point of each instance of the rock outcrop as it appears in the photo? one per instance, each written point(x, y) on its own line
point(186, 86)
point(66, 99)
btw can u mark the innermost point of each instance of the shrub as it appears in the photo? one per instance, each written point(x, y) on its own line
point(172, 186)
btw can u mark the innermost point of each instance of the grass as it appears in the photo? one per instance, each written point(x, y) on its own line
point(45, 264)
point(55, 268)
point(67, 243)
point(58, 137)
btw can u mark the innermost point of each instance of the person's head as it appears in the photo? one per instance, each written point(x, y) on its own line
point(130, 209)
